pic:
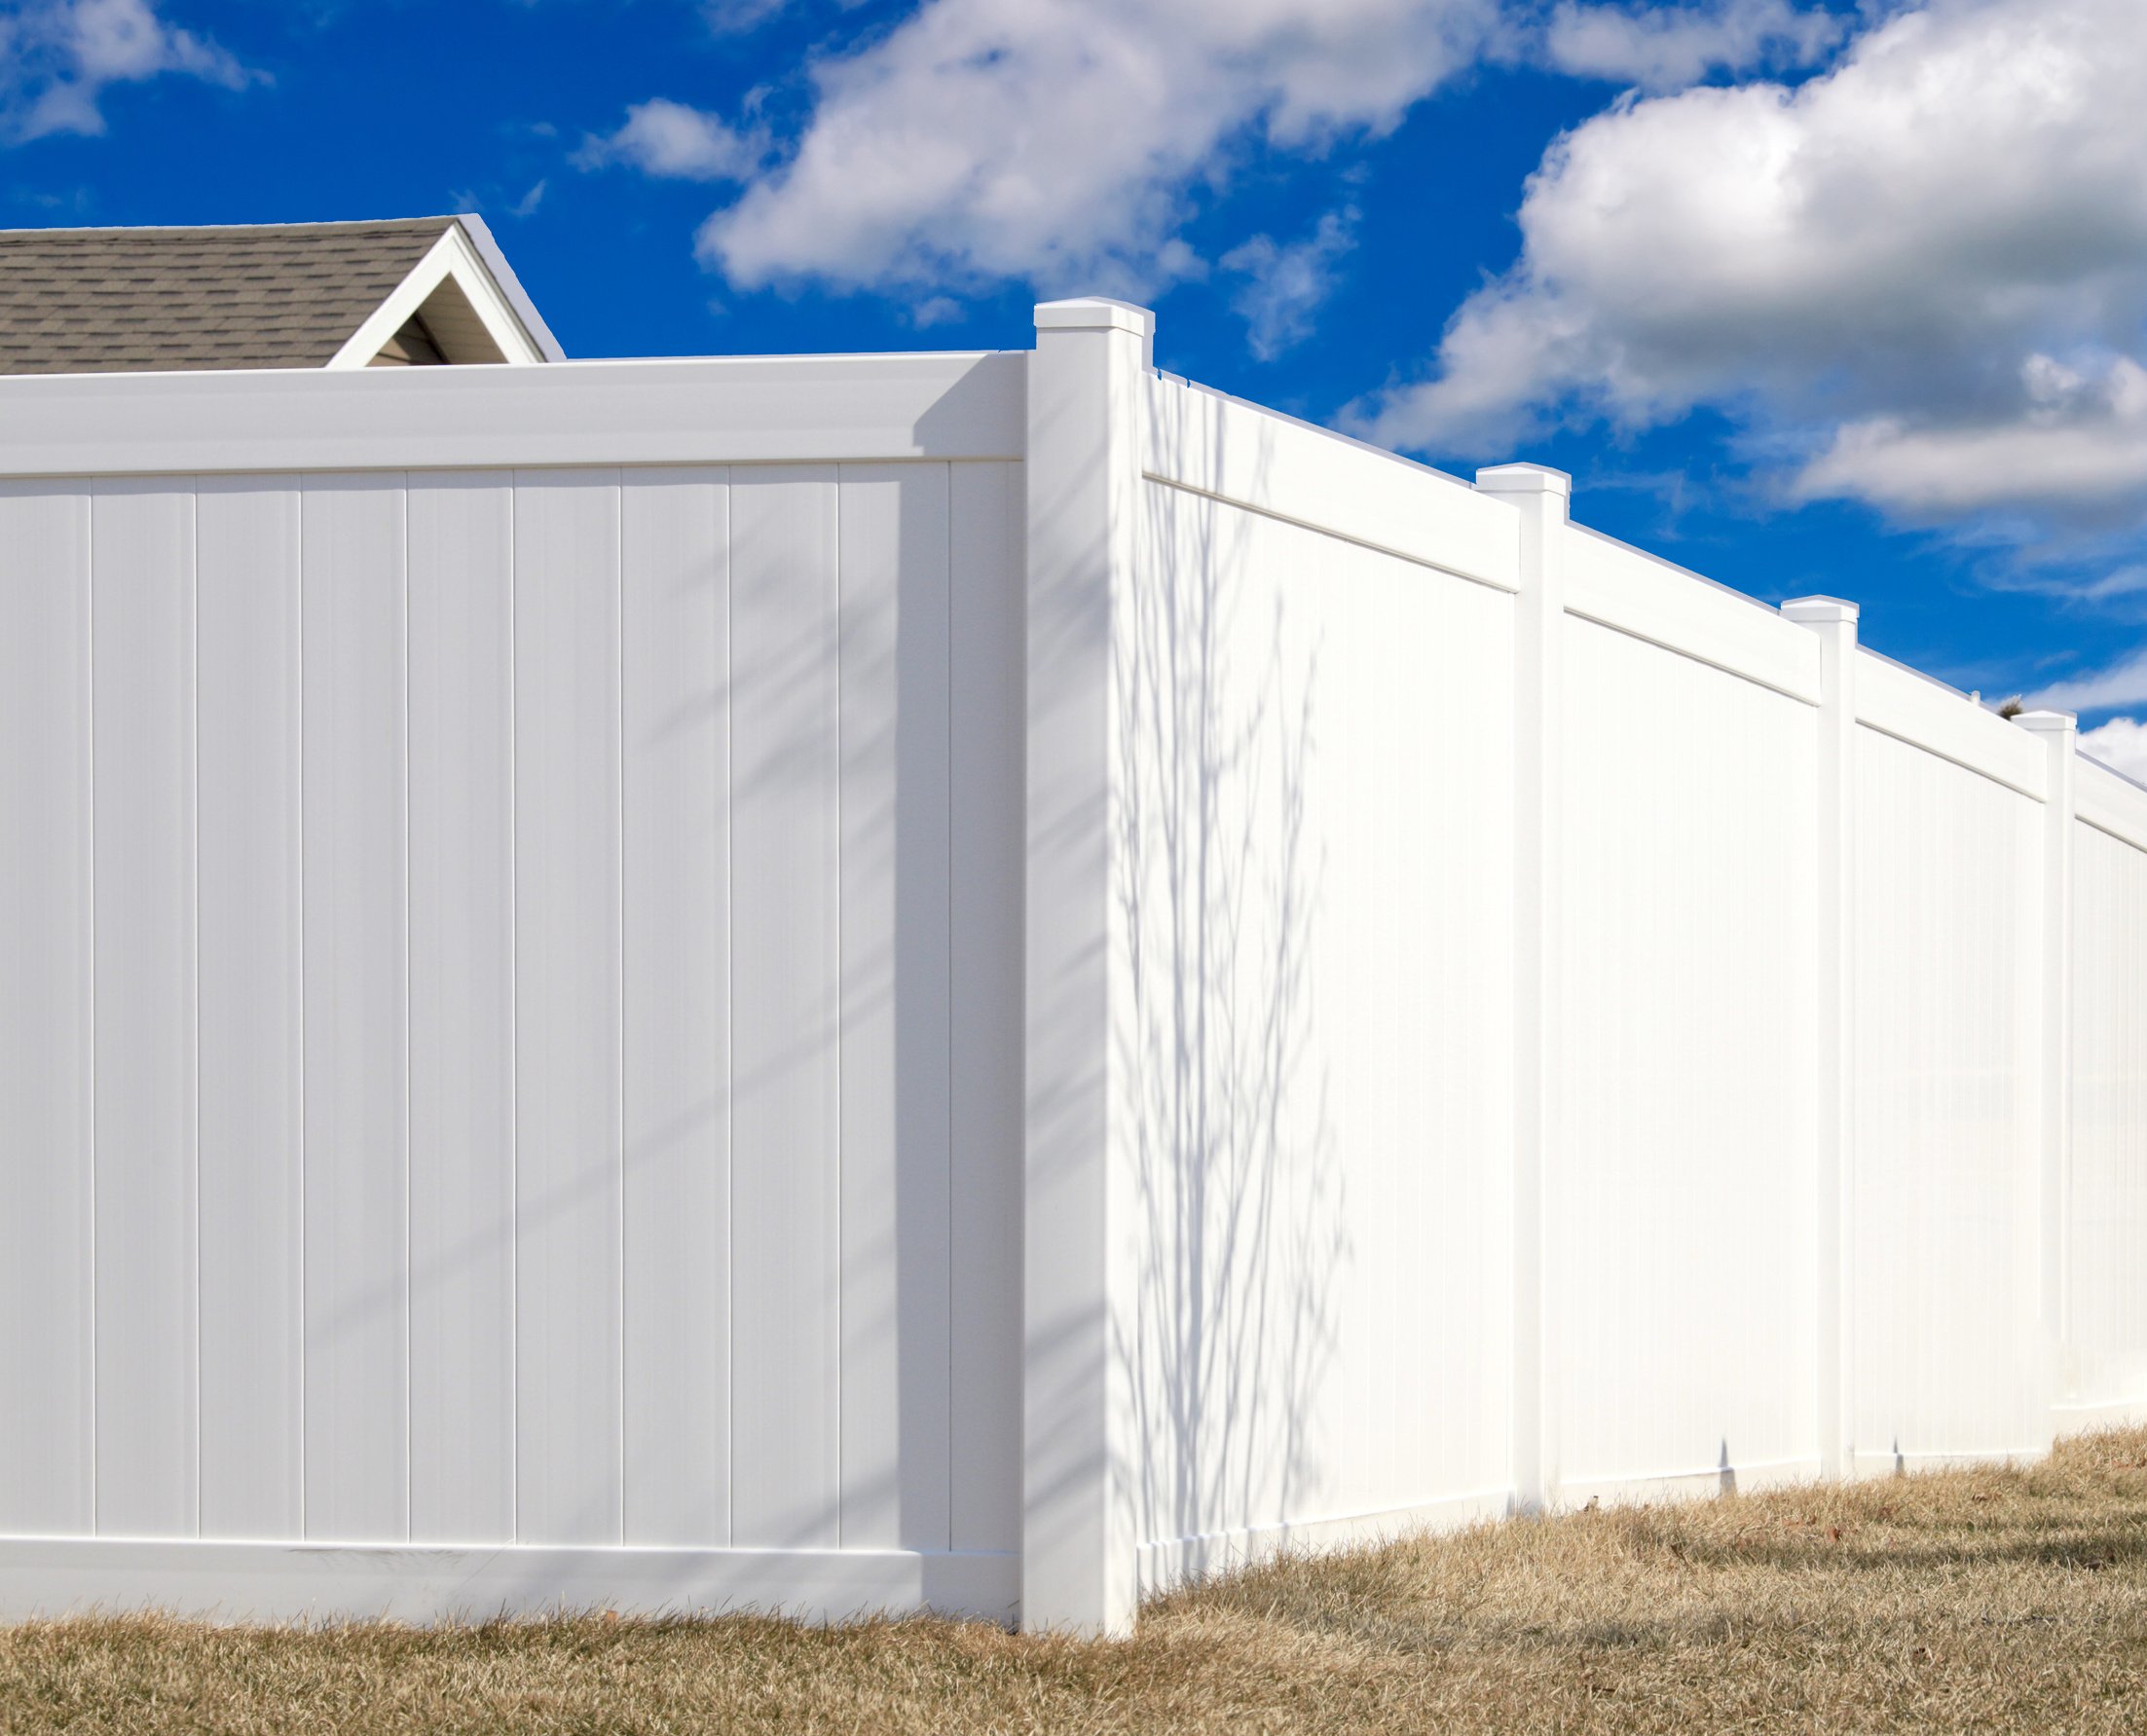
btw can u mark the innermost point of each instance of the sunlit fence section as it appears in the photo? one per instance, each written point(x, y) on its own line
point(981, 982)
point(1565, 1030)
point(2104, 1199)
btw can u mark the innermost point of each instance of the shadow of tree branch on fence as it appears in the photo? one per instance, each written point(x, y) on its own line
point(1240, 1223)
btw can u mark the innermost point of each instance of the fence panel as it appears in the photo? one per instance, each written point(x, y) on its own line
point(571, 852)
point(1312, 881)
point(1680, 1242)
point(1946, 1212)
point(2106, 1305)
point(947, 980)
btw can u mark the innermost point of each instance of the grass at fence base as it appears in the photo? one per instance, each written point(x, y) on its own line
point(1979, 1599)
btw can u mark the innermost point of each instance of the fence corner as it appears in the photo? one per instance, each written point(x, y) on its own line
point(1080, 1568)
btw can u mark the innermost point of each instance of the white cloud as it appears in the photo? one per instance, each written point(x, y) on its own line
point(2121, 744)
point(2103, 577)
point(2124, 683)
point(58, 57)
point(736, 17)
point(1666, 48)
point(2125, 581)
point(2082, 447)
point(1285, 286)
point(666, 138)
point(1064, 142)
point(1925, 269)
point(1058, 140)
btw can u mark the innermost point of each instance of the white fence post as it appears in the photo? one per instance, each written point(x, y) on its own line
point(1544, 497)
point(1835, 623)
point(2060, 734)
point(1079, 1560)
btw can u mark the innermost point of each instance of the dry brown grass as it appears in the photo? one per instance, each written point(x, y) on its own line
point(1967, 1600)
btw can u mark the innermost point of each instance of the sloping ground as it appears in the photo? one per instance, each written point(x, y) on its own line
point(1983, 1600)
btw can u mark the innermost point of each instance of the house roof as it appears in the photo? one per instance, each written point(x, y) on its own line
point(278, 295)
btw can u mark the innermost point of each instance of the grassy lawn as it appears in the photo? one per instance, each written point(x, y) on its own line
point(1986, 1600)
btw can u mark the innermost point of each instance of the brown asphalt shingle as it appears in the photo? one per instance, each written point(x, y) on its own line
point(103, 301)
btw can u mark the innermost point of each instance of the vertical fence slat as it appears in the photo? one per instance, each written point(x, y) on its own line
point(675, 608)
point(356, 1035)
point(566, 796)
point(47, 1353)
point(461, 1008)
point(142, 646)
point(785, 962)
point(251, 973)
point(895, 959)
point(984, 671)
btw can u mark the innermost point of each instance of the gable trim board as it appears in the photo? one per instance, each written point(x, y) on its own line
point(503, 316)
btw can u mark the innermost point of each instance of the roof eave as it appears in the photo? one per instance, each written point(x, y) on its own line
point(479, 234)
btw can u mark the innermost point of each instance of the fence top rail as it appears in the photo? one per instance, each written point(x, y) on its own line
point(1196, 438)
point(1922, 711)
point(705, 410)
point(1728, 591)
point(2108, 801)
point(1382, 453)
point(1627, 589)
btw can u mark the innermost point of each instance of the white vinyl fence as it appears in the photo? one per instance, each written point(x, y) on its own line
point(981, 982)
point(512, 997)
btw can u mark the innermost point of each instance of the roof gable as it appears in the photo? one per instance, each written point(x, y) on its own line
point(304, 295)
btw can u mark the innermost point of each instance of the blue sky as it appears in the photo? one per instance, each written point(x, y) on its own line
point(1847, 298)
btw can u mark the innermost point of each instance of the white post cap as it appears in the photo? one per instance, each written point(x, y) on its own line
point(1095, 313)
point(1524, 479)
point(1819, 611)
point(2047, 722)
point(1101, 314)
